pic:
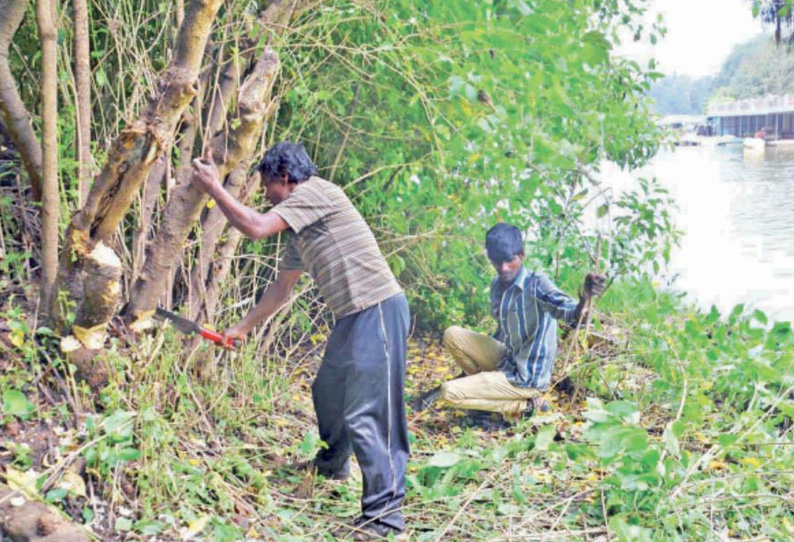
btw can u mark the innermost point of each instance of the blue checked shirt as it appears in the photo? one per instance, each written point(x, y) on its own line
point(527, 312)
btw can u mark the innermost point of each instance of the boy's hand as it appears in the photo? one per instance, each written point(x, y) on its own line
point(594, 284)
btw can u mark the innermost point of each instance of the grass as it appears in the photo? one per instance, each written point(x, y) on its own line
point(681, 430)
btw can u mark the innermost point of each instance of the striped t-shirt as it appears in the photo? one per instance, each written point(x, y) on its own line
point(329, 239)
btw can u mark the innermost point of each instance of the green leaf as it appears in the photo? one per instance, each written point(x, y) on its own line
point(761, 317)
point(545, 437)
point(596, 47)
point(16, 404)
point(129, 454)
point(149, 527)
point(225, 533)
point(726, 439)
point(602, 210)
point(595, 411)
point(309, 443)
point(123, 524)
point(118, 425)
point(444, 460)
point(55, 495)
point(671, 442)
point(624, 410)
point(100, 77)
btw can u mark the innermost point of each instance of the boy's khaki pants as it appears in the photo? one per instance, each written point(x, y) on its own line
point(484, 387)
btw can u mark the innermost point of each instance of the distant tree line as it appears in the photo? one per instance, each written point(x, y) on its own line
point(682, 94)
point(754, 68)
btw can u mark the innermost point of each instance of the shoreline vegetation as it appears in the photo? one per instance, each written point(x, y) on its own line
point(673, 424)
point(667, 424)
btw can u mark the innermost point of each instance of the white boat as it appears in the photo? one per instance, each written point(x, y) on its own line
point(754, 143)
point(728, 140)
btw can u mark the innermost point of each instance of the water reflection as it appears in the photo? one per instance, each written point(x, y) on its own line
point(735, 209)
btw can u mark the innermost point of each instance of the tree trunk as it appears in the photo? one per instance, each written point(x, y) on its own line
point(14, 114)
point(210, 269)
point(151, 191)
point(201, 280)
point(135, 150)
point(82, 70)
point(130, 159)
point(229, 149)
point(216, 117)
point(34, 522)
point(50, 201)
point(210, 272)
point(162, 174)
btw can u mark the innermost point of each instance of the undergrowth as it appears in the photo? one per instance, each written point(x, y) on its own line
point(674, 424)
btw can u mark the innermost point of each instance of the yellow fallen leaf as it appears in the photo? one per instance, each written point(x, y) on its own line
point(25, 482)
point(194, 462)
point(716, 465)
point(752, 461)
point(73, 483)
point(18, 338)
point(195, 527)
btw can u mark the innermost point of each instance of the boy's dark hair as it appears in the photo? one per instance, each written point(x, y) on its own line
point(287, 158)
point(503, 242)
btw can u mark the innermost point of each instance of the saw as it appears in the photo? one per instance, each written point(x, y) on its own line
point(189, 327)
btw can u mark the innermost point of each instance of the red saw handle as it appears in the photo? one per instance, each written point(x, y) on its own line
point(217, 338)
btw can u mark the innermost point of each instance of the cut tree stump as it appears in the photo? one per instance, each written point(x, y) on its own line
point(22, 520)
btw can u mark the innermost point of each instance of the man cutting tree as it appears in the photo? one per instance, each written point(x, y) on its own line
point(358, 391)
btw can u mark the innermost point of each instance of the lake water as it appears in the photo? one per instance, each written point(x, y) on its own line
point(737, 213)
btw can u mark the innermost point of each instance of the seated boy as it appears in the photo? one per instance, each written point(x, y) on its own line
point(509, 372)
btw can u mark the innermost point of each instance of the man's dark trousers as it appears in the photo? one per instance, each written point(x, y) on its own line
point(358, 398)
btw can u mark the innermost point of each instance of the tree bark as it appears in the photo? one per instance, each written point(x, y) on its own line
point(209, 273)
point(204, 274)
point(229, 149)
point(34, 522)
point(151, 191)
point(208, 276)
point(224, 90)
point(137, 147)
point(216, 117)
point(50, 200)
point(132, 156)
point(82, 65)
point(14, 114)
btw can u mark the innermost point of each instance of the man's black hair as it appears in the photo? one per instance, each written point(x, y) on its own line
point(503, 243)
point(287, 158)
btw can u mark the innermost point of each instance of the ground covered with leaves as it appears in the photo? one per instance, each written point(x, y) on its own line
point(673, 425)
